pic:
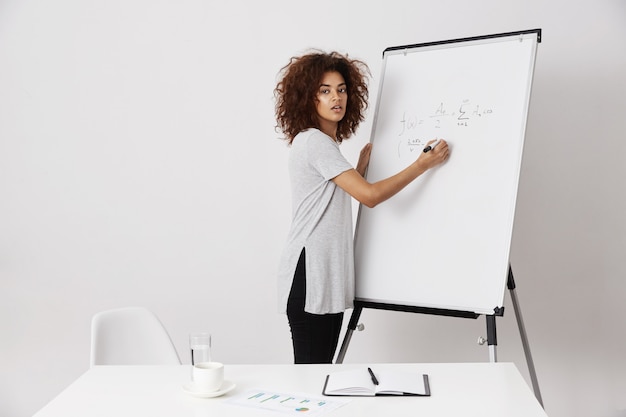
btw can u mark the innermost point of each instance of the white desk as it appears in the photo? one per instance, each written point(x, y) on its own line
point(458, 389)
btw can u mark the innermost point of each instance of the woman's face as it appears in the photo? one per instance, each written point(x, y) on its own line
point(332, 98)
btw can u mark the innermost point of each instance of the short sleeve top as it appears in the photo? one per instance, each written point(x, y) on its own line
point(321, 223)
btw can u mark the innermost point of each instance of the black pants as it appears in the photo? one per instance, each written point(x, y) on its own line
point(314, 336)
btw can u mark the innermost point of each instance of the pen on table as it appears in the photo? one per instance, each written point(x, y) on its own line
point(374, 380)
point(431, 146)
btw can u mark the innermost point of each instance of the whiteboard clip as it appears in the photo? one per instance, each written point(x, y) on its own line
point(404, 52)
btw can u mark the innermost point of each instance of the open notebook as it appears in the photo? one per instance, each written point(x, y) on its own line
point(360, 382)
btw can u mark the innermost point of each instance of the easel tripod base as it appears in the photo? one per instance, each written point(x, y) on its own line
point(492, 340)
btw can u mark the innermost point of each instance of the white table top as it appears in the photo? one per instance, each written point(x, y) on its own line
point(467, 389)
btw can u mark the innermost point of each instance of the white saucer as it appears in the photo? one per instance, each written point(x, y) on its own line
point(190, 389)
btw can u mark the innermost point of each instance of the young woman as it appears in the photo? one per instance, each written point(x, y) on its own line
point(320, 100)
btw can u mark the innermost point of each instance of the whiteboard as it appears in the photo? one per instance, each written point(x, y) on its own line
point(443, 242)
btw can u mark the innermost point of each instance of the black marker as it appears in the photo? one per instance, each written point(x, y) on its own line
point(374, 380)
point(431, 147)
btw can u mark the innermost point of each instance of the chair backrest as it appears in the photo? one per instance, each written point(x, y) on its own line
point(130, 336)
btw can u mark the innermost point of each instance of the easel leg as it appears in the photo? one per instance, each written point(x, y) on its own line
point(492, 338)
point(524, 337)
point(352, 325)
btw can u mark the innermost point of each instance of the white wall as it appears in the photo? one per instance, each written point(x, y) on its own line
point(139, 166)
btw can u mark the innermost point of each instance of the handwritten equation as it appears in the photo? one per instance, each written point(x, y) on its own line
point(413, 128)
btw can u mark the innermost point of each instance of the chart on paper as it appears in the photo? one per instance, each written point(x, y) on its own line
point(286, 403)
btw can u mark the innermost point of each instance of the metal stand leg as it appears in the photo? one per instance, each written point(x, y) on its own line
point(492, 338)
point(352, 326)
point(524, 337)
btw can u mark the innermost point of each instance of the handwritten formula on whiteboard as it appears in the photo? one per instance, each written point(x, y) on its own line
point(416, 130)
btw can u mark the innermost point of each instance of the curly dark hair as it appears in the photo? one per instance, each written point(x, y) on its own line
point(296, 93)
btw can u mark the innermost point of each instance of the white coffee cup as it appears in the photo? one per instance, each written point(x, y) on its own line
point(208, 376)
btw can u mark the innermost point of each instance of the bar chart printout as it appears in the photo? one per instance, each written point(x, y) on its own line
point(293, 403)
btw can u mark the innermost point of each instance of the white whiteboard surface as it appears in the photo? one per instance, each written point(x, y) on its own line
point(443, 242)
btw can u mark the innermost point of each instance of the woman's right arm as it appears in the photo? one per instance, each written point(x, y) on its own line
point(372, 194)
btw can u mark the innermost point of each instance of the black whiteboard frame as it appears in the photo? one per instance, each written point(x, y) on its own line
point(417, 309)
point(469, 39)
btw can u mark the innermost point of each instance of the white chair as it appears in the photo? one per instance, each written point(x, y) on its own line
point(130, 336)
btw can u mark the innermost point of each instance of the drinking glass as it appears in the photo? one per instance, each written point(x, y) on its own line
point(200, 345)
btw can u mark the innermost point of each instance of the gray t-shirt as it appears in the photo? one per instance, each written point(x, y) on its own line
point(321, 223)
